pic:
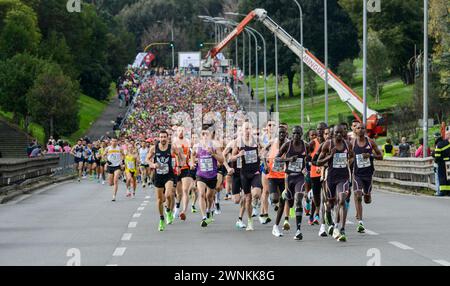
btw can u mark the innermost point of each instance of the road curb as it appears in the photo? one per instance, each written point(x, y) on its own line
point(33, 187)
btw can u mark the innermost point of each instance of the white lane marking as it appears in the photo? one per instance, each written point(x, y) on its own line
point(350, 222)
point(119, 251)
point(127, 236)
point(401, 245)
point(112, 265)
point(442, 262)
point(146, 202)
point(143, 205)
point(141, 209)
point(136, 215)
point(132, 224)
point(369, 232)
point(147, 197)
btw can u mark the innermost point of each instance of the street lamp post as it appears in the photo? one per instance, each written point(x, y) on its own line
point(302, 112)
point(425, 79)
point(276, 75)
point(265, 67)
point(365, 62)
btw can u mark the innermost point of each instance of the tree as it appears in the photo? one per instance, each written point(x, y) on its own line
point(17, 76)
point(346, 71)
point(437, 105)
point(377, 65)
point(399, 26)
point(52, 102)
point(20, 32)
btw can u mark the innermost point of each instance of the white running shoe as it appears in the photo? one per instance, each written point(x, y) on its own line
point(103, 182)
point(177, 213)
point(240, 224)
point(336, 233)
point(217, 212)
point(276, 231)
point(322, 231)
point(262, 220)
point(250, 225)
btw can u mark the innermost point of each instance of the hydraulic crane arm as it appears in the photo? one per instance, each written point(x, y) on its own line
point(345, 93)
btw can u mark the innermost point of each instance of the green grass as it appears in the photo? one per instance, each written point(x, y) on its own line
point(90, 110)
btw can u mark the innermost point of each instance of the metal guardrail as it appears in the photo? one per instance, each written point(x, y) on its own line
point(65, 165)
point(413, 173)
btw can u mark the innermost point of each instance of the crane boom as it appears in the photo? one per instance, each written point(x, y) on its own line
point(345, 93)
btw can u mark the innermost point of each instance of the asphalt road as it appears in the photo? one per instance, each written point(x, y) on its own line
point(78, 222)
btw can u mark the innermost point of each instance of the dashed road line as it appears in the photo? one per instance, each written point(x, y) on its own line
point(147, 197)
point(120, 251)
point(132, 224)
point(141, 209)
point(401, 245)
point(442, 262)
point(136, 215)
point(127, 236)
point(369, 232)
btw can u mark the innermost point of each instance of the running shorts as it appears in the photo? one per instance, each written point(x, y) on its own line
point(112, 170)
point(210, 183)
point(145, 165)
point(338, 186)
point(363, 184)
point(160, 181)
point(296, 184)
point(185, 173)
point(250, 181)
point(222, 170)
point(236, 184)
point(275, 185)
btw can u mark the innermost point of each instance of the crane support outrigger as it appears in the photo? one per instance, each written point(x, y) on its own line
point(376, 125)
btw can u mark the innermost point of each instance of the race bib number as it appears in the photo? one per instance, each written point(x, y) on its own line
point(251, 157)
point(78, 154)
point(340, 160)
point(447, 168)
point(130, 165)
point(361, 162)
point(239, 163)
point(278, 165)
point(114, 158)
point(206, 165)
point(163, 169)
point(296, 166)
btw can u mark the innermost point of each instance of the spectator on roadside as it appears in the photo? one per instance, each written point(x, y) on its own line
point(419, 151)
point(58, 147)
point(404, 148)
point(30, 147)
point(66, 147)
point(442, 159)
point(437, 140)
point(36, 152)
point(50, 147)
point(388, 149)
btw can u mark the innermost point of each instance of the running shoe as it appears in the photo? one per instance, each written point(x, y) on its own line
point(342, 237)
point(336, 233)
point(177, 213)
point(255, 212)
point(311, 220)
point(322, 231)
point(307, 208)
point(114, 199)
point(217, 212)
point(144, 185)
point(209, 220)
point(240, 224)
point(361, 228)
point(276, 231)
point(170, 217)
point(262, 220)
point(193, 210)
point(298, 235)
point(79, 180)
point(286, 225)
point(268, 219)
point(316, 220)
point(182, 216)
point(330, 230)
point(204, 223)
point(250, 225)
point(103, 182)
point(162, 225)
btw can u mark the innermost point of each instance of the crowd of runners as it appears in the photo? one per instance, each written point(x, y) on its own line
point(277, 168)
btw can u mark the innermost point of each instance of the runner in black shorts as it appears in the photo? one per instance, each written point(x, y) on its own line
point(296, 154)
point(248, 149)
point(160, 159)
point(338, 154)
point(366, 150)
point(77, 152)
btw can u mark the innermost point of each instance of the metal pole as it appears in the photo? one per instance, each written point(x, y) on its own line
point(365, 62)
point(173, 49)
point(215, 33)
point(425, 79)
point(276, 74)
point(302, 100)
point(243, 54)
point(326, 61)
point(256, 76)
point(265, 66)
point(237, 53)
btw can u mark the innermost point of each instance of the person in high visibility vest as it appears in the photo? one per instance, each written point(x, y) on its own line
point(388, 149)
point(442, 158)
